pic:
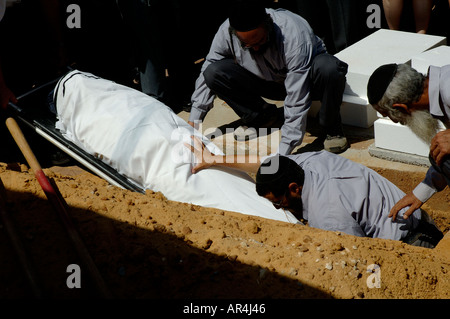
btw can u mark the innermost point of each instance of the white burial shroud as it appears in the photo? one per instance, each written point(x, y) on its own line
point(143, 139)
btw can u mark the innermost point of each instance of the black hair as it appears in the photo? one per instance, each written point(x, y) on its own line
point(246, 15)
point(267, 24)
point(276, 173)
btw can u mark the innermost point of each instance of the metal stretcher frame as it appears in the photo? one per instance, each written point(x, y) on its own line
point(42, 121)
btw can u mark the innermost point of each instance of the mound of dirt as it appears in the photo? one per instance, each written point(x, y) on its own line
point(146, 246)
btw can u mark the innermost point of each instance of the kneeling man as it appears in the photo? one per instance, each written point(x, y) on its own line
point(330, 192)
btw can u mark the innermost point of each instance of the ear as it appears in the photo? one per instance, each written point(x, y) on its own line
point(295, 188)
point(402, 108)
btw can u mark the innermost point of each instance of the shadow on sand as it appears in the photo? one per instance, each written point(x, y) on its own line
point(135, 263)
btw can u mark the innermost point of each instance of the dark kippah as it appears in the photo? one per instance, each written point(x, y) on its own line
point(379, 82)
point(269, 171)
point(246, 15)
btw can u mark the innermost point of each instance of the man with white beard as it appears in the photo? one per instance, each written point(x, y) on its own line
point(419, 102)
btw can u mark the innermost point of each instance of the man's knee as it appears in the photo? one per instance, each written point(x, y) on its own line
point(215, 71)
point(329, 69)
point(210, 74)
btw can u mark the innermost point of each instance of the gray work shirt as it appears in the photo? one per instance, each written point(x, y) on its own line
point(288, 60)
point(341, 195)
point(439, 98)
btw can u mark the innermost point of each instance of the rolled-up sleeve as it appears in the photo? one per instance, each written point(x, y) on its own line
point(433, 182)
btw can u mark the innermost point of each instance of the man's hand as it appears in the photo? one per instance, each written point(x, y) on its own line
point(408, 200)
point(246, 163)
point(204, 157)
point(440, 146)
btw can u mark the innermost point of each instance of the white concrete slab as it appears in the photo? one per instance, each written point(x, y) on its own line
point(439, 56)
point(397, 137)
point(355, 111)
point(382, 47)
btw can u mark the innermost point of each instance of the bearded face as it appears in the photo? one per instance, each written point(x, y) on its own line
point(422, 124)
point(294, 204)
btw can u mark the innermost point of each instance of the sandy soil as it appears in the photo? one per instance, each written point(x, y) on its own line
point(145, 246)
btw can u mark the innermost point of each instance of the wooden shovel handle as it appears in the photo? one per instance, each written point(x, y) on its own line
point(17, 134)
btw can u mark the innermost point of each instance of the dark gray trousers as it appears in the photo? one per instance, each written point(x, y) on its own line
point(243, 91)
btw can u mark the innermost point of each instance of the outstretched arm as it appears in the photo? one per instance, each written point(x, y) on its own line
point(205, 159)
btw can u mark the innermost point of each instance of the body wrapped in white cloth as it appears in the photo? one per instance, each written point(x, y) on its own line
point(143, 139)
